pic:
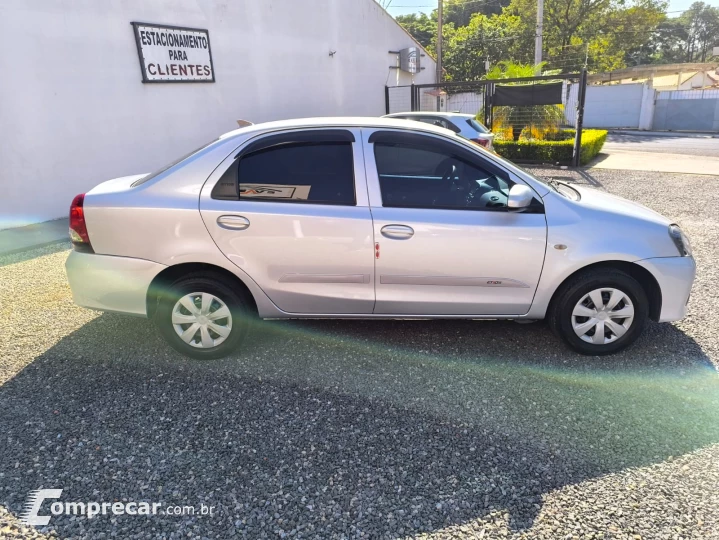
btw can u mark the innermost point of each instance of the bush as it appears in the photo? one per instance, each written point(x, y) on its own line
point(553, 151)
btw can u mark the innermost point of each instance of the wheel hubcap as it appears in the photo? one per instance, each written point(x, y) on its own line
point(201, 320)
point(602, 316)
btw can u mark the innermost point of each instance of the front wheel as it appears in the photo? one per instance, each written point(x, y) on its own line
point(599, 312)
point(202, 317)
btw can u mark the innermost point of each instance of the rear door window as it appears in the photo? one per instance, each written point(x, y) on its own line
point(294, 169)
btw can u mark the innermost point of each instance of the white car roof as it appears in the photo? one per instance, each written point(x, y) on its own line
point(334, 121)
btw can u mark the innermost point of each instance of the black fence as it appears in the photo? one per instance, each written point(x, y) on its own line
point(525, 110)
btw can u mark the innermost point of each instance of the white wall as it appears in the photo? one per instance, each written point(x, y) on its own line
point(74, 112)
point(616, 106)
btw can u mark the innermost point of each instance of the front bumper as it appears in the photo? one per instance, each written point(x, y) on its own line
point(675, 276)
point(108, 283)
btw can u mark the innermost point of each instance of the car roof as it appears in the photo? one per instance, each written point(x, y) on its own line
point(430, 113)
point(334, 121)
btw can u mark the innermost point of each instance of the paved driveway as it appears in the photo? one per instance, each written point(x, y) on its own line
point(659, 154)
point(367, 429)
point(687, 146)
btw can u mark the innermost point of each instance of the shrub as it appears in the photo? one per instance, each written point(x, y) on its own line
point(553, 151)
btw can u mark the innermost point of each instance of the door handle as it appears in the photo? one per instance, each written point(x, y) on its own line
point(235, 223)
point(397, 232)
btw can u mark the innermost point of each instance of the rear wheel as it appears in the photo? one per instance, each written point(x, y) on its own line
point(202, 317)
point(599, 312)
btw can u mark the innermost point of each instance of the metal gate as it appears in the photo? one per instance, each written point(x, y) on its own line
point(530, 109)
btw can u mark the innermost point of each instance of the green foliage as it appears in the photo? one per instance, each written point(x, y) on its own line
point(701, 22)
point(467, 48)
point(460, 12)
point(421, 27)
point(510, 70)
point(557, 151)
point(602, 33)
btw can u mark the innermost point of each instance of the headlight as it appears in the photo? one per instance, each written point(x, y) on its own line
point(680, 240)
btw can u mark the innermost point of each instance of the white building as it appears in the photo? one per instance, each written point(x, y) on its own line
point(687, 81)
point(75, 112)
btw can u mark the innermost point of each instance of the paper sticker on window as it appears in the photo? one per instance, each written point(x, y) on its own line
point(274, 191)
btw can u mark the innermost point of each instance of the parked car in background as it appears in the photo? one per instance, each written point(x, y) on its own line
point(465, 125)
point(369, 218)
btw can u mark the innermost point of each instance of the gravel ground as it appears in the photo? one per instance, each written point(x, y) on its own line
point(346, 429)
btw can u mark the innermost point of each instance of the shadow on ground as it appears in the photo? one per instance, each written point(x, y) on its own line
point(333, 428)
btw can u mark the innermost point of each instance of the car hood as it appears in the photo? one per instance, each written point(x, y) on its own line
point(606, 202)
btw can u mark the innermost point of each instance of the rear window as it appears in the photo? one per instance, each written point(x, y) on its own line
point(477, 126)
point(172, 164)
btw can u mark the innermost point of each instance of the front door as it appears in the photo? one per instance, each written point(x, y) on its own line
point(446, 243)
point(292, 212)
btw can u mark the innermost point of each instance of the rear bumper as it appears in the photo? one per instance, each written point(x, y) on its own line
point(675, 276)
point(108, 283)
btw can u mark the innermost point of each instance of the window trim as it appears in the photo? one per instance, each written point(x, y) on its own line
point(298, 137)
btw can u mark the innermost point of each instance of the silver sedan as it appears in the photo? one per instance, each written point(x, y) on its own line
point(369, 218)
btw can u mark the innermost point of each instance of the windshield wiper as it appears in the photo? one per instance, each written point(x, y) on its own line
point(555, 184)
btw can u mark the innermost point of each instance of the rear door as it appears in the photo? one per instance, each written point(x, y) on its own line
point(291, 210)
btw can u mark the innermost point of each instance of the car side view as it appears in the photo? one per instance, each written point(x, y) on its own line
point(369, 218)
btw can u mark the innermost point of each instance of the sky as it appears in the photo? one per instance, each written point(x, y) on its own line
point(403, 7)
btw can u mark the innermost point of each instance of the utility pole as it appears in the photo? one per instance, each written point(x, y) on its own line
point(439, 51)
point(538, 35)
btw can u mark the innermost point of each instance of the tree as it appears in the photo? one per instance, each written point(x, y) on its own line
point(666, 45)
point(484, 39)
point(702, 25)
point(601, 34)
point(598, 32)
point(459, 12)
point(421, 27)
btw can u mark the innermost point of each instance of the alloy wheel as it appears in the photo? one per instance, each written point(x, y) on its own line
point(201, 320)
point(602, 316)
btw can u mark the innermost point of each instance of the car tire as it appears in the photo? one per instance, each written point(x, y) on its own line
point(575, 317)
point(212, 316)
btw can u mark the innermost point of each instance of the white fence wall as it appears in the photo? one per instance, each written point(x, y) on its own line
point(615, 106)
point(74, 111)
point(687, 110)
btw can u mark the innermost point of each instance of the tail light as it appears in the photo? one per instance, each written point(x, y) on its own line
point(481, 142)
point(78, 227)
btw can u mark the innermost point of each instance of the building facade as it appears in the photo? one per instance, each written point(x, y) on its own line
point(75, 111)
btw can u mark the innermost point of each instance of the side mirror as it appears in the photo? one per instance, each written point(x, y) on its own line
point(520, 197)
